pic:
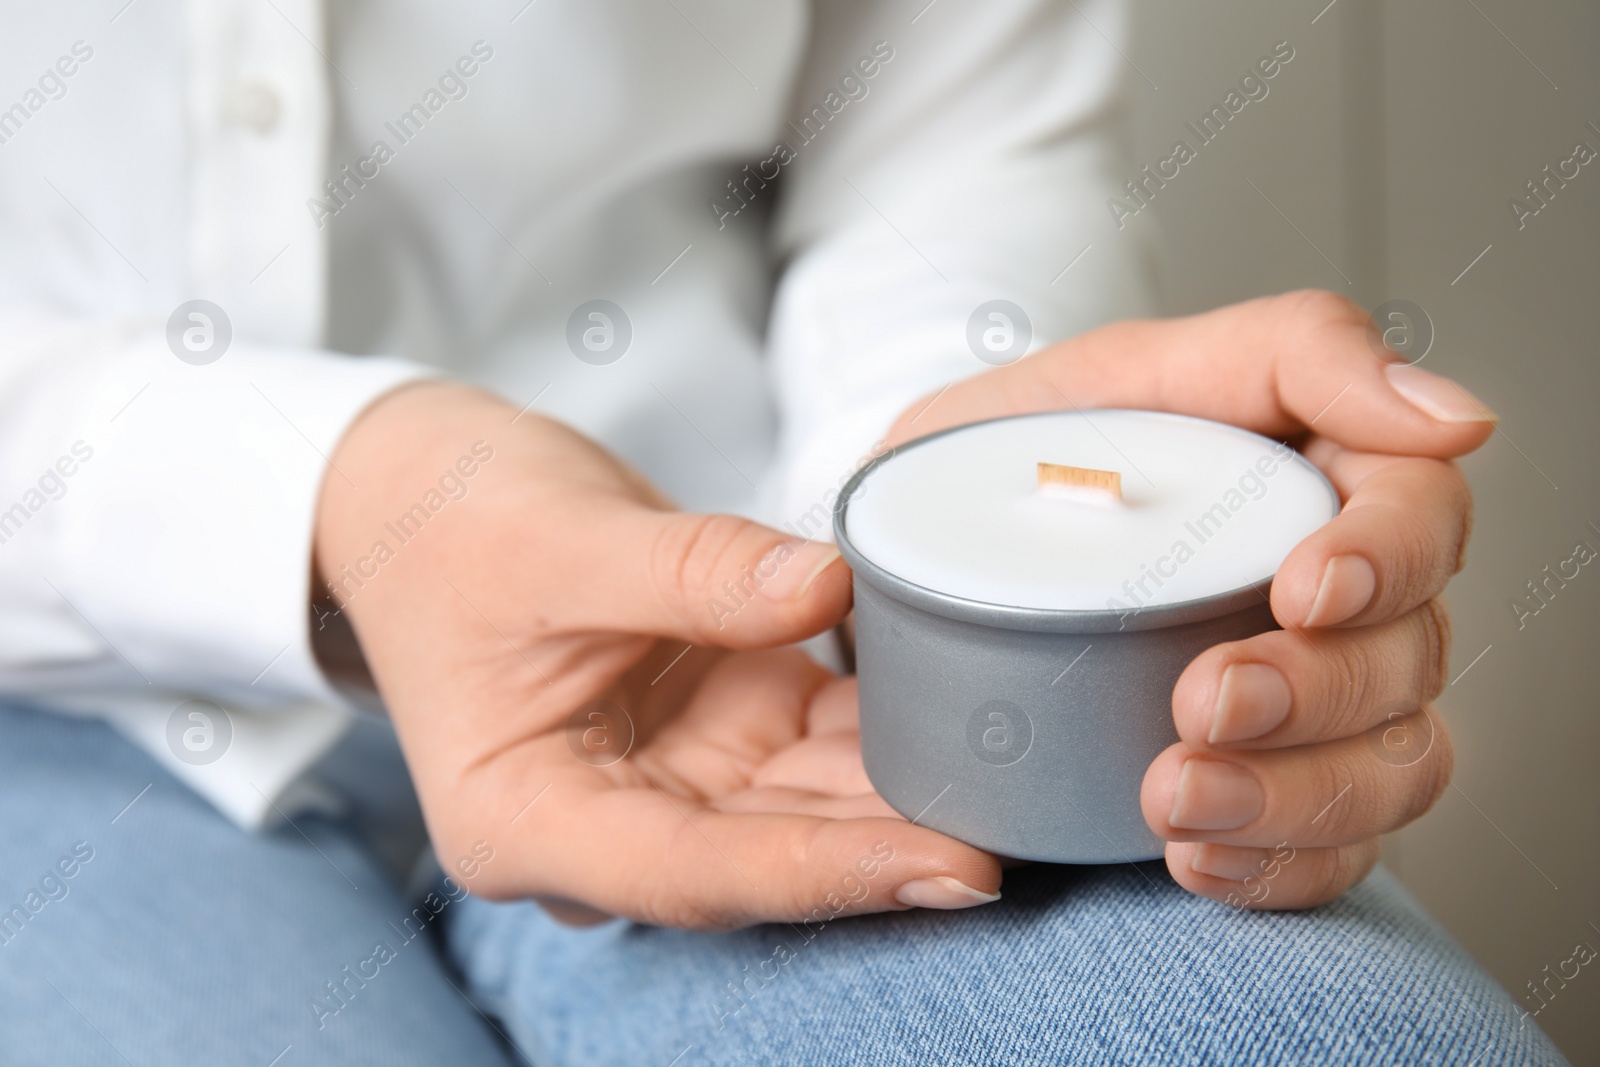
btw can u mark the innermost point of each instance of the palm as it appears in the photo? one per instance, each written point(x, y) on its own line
point(755, 732)
point(661, 740)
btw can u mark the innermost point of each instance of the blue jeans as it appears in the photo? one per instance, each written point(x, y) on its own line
point(138, 926)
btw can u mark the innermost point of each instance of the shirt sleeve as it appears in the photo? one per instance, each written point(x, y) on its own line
point(938, 161)
point(156, 521)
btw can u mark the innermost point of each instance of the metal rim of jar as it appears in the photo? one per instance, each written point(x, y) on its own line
point(1050, 620)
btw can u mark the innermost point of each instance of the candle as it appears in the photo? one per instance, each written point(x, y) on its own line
point(1206, 509)
point(1027, 592)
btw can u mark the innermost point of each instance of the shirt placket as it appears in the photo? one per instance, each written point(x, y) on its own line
point(258, 114)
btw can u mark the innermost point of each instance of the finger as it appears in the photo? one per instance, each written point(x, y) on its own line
point(1287, 688)
point(827, 763)
point(784, 801)
point(705, 579)
point(835, 708)
point(1399, 538)
point(670, 862)
point(1336, 793)
point(1276, 365)
point(1280, 878)
point(747, 708)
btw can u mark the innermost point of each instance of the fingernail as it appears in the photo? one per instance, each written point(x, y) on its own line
point(1228, 861)
point(788, 571)
point(1253, 699)
point(1436, 396)
point(1347, 586)
point(944, 893)
point(1214, 795)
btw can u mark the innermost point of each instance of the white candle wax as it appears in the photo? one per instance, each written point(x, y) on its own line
point(1206, 509)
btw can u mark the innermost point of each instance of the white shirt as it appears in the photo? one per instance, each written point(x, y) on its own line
point(797, 206)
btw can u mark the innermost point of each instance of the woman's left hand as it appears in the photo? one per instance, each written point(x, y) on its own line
point(1301, 746)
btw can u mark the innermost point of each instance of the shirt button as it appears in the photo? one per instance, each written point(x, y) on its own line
point(253, 105)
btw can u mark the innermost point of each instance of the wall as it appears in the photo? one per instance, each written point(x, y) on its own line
point(1380, 165)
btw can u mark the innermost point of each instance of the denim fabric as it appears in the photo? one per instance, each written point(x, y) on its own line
point(183, 940)
point(1110, 965)
point(178, 939)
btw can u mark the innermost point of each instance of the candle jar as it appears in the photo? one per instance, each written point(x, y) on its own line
point(1017, 648)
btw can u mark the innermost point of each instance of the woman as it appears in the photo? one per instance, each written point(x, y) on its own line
point(739, 249)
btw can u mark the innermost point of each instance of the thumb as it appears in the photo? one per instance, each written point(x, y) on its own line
point(1277, 365)
point(712, 580)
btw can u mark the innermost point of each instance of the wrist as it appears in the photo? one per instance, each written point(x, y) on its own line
point(394, 479)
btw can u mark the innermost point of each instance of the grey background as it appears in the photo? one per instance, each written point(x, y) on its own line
point(1393, 142)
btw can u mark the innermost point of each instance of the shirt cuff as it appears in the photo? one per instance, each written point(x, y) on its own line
point(186, 539)
point(179, 558)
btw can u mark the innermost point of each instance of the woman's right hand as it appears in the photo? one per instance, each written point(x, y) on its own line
point(551, 640)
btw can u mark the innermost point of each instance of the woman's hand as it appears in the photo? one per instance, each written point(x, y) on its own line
point(1299, 747)
point(547, 632)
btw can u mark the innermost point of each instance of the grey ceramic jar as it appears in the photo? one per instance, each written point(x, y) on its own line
point(1024, 731)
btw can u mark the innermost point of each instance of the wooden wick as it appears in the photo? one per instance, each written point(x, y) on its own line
point(1080, 478)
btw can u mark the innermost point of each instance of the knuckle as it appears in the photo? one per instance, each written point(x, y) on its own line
point(1399, 793)
point(1467, 513)
point(1442, 479)
point(1339, 799)
point(1334, 875)
point(1434, 538)
point(1365, 807)
point(1432, 620)
point(665, 901)
point(687, 555)
point(684, 914)
point(1319, 308)
point(1441, 768)
point(1404, 551)
point(1415, 567)
point(1357, 795)
point(673, 895)
point(1362, 673)
point(1340, 869)
point(1355, 681)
